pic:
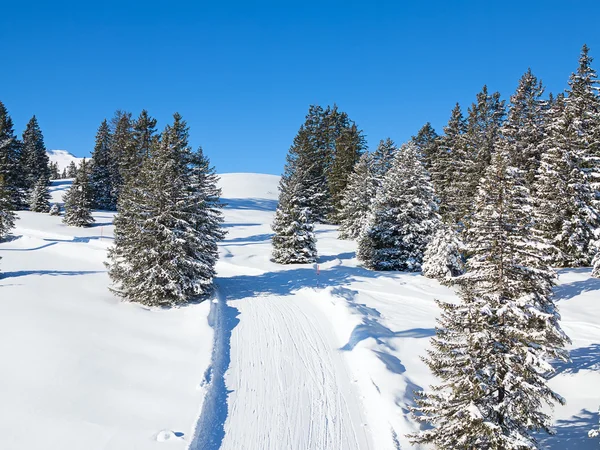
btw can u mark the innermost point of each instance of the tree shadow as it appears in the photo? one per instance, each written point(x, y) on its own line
point(210, 428)
point(255, 238)
point(371, 328)
point(570, 290)
point(53, 273)
point(582, 358)
point(341, 256)
point(572, 433)
point(29, 249)
point(233, 225)
point(257, 204)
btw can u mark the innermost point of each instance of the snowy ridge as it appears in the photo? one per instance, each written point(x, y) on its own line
point(63, 158)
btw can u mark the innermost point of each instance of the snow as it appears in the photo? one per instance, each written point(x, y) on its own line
point(63, 158)
point(300, 359)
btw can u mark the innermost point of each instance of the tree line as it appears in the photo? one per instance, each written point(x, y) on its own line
point(167, 202)
point(508, 192)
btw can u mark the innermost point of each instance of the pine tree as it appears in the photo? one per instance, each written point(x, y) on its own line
point(357, 199)
point(167, 225)
point(7, 217)
point(383, 158)
point(34, 158)
point(55, 210)
point(492, 349)
point(523, 130)
point(144, 132)
point(426, 142)
point(122, 151)
point(54, 173)
point(78, 199)
point(443, 259)
point(40, 196)
point(403, 216)
point(349, 147)
point(101, 179)
point(63, 174)
point(564, 212)
point(294, 240)
point(71, 170)
point(10, 161)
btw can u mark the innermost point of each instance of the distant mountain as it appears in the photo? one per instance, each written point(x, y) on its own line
point(63, 158)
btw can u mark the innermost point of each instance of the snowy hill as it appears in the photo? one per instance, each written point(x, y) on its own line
point(63, 158)
point(300, 359)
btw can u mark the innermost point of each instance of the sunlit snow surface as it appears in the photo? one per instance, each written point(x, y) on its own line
point(302, 360)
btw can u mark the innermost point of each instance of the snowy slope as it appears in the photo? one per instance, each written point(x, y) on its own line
point(301, 359)
point(63, 158)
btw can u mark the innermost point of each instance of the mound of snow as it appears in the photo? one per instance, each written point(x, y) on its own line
point(63, 158)
point(249, 185)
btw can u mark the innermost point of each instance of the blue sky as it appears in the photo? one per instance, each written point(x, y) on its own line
point(244, 73)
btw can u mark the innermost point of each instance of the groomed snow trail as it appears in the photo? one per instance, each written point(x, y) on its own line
point(289, 384)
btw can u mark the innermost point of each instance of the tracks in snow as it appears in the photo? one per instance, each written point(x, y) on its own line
point(280, 383)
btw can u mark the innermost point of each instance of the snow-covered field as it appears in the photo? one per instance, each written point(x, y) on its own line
point(63, 158)
point(302, 358)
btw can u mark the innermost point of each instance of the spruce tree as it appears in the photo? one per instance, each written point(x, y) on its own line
point(426, 142)
point(357, 199)
point(443, 258)
point(349, 147)
point(71, 170)
point(596, 265)
point(294, 240)
point(10, 161)
point(492, 349)
point(34, 158)
point(144, 132)
point(7, 217)
point(101, 179)
point(78, 199)
point(40, 196)
point(122, 151)
point(55, 210)
point(383, 158)
point(166, 226)
point(403, 216)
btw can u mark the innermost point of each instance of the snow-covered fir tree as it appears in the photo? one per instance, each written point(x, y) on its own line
point(144, 132)
point(349, 147)
point(34, 159)
point(403, 216)
point(101, 180)
point(382, 159)
point(564, 202)
point(40, 196)
point(596, 265)
point(443, 257)
point(10, 161)
point(167, 225)
point(357, 199)
point(78, 199)
point(7, 216)
point(492, 349)
point(294, 239)
point(55, 209)
point(426, 142)
point(71, 170)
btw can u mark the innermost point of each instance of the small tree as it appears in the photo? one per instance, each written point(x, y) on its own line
point(357, 200)
point(55, 210)
point(403, 217)
point(78, 200)
point(71, 171)
point(443, 259)
point(40, 196)
point(7, 217)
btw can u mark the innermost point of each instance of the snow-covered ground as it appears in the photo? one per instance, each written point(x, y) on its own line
point(302, 358)
point(63, 158)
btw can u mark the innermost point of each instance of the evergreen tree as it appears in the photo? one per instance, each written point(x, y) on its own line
point(54, 173)
point(426, 142)
point(582, 104)
point(63, 174)
point(492, 349)
point(101, 177)
point(55, 210)
point(144, 132)
point(443, 259)
point(71, 170)
point(167, 225)
point(403, 216)
point(40, 196)
point(596, 265)
point(523, 130)
point(10, 161)
point(294, 240)
point(78, 199)
point(7, 217)
point(383, 158)
point(348, 148)
point(564, 212)
point(122, 151)
point(34, 158)
point(357, 199)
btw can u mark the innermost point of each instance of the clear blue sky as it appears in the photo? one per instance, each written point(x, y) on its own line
point(243, 73)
